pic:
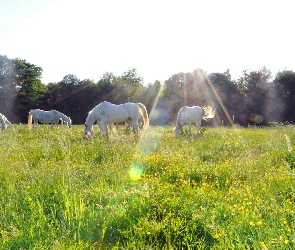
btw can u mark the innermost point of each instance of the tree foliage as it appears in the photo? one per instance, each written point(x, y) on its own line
point(285, 83)
point(254, 98)
point(21, 85)
point(7, 90)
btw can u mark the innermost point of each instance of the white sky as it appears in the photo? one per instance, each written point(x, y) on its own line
point(157, 37)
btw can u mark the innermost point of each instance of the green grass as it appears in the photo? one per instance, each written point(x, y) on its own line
point(232, 188)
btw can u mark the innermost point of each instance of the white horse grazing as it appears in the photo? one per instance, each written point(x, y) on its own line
point(51, 116)
point(193, 115)
point(107, 113)
point(4, 122)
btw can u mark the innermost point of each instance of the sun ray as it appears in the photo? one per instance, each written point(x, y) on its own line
point(156, 99)
point(220, 102)
point(207, 88)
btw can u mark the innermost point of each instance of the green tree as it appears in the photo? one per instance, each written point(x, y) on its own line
point(7, 90)
point(151, 94)
point(130, 84)
point(77, 103)
point(63, 90)
point(186, 89)
point(106, 86)
point(285, 86)
point(21, 87)
point(255, 87)
point(30, 90)
point(226, 97)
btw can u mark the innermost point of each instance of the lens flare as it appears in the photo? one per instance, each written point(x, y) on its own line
point(135, 173)
point(147, 142)
point(256, 118)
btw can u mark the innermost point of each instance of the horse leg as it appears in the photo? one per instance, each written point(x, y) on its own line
point(35, 122)
point(198, 125)
point(106, 128)
point(127, 127)
point(102, 126)
point(190, 128)
point(112, 125)
point(177, 130)
point(99, 130)
point(135, 125)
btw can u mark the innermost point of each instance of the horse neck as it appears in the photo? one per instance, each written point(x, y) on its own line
point(62, 116)
point(178, 121)
point(8, 123)
point(2, 122)
point(90, 119)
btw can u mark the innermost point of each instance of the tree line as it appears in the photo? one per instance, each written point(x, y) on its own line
point(256, 97)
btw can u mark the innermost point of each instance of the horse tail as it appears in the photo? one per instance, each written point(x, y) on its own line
point(144, 113)
point(30, 119)
point(208, 112)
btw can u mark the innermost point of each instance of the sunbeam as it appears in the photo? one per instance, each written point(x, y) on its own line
point(220, 102)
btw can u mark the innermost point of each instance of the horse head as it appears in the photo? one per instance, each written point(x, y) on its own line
point(177, 130)
point(70, 123)
point(88, 131)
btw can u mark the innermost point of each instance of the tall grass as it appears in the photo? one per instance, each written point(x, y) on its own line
point(232, 188)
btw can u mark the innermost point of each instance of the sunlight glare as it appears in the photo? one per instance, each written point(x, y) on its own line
point(135, 173)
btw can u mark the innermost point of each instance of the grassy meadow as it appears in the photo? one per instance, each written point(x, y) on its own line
point(232, 188)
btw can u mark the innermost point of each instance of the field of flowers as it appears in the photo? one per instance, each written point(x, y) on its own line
point(232, 188)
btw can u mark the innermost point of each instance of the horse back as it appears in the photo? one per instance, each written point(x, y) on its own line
point(189, 115)
point(47, 116)
point(133, 110)
point(196, 113)
point(111, 112)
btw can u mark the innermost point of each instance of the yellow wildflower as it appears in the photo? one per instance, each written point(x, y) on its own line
point(263, 245)
point(259, 222)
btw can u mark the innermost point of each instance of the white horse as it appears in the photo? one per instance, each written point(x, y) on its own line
point(4, 122)
point(193, 115)
point(107, 113)
point(51, 116)
point(127, 124)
